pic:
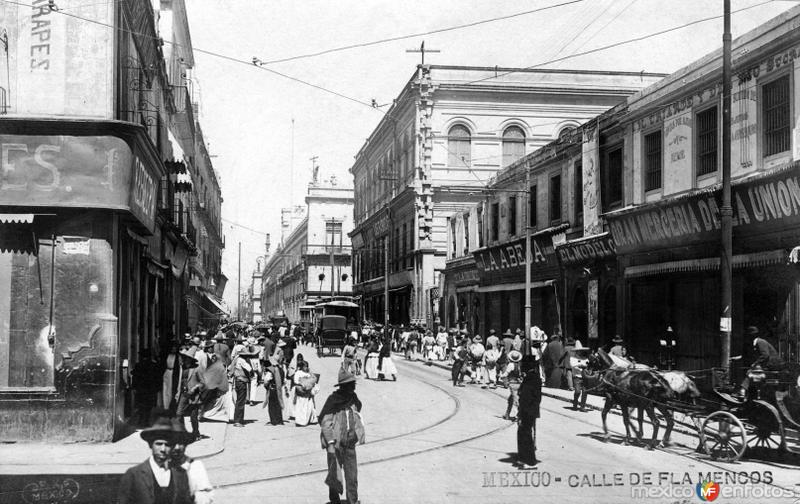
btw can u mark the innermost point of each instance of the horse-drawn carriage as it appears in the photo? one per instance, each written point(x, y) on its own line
point(767, 418)
point(331, 333)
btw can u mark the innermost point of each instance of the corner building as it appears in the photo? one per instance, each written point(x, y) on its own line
point(449, 130)
point(98, 205)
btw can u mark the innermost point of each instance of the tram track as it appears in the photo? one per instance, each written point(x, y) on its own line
point(456, 409)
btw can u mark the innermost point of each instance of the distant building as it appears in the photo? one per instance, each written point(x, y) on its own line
point(450, 129)
point(300, 270)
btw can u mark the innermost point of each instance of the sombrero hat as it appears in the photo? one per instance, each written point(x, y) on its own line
point(345, 377)
point(514, 356)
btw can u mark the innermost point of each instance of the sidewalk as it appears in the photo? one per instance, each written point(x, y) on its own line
point(97, 458)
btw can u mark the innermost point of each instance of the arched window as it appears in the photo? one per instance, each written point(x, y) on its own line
point(459, 146)
point(513, 144)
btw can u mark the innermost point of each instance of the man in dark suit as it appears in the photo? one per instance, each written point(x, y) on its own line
point(154, 481)
point(766, 357)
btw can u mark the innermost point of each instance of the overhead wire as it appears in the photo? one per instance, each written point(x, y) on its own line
point(589, 39)
point(387, 114)
point(616, 44)
point(420, 34)
point(583, 30)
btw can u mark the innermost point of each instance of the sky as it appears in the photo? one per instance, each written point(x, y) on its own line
point(262, 127)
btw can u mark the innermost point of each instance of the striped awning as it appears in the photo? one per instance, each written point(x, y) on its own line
point(755, 259)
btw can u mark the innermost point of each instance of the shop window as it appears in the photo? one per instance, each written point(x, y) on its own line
point(555, 199)
point(578, 192)
point(46, 314)
point(513, 144)
point(532, 206)
point(776, 114)
point(652, 160)
point(459, 146)
point(495, 227)
point(512, 216)
point(611, 192)
point(707, 141)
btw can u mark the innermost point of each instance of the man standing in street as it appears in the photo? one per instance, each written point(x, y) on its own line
point(153, 481)
point(342, 430)
point(530, 397)
point(192, 385)
point(242, 372)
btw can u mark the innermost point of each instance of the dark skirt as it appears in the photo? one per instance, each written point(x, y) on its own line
point(274, 407)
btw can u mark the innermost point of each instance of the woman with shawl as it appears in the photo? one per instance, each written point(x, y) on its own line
point(273, 401)
point(305, 388)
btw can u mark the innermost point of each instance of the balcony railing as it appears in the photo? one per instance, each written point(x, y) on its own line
point(326, 249)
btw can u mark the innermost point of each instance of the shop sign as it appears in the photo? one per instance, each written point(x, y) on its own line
point(771, 203)
point(76, 171)
point(587, 251)
point(464, 277)
point(506, 263)
point(59, 64)
point(143, 195)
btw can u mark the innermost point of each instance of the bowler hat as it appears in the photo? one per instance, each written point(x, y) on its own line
point(491, 331)
point(751, 331)
point(617, 339)
point(345, 377)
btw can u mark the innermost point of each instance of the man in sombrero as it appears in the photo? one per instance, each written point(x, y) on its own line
point(342, 430)
point(154, 481)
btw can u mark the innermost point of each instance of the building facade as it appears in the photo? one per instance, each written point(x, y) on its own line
point(627, 209)
point(94, 216)
point(314, 259)
point(448, 132)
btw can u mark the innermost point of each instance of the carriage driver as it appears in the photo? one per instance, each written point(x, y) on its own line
point(766, 357)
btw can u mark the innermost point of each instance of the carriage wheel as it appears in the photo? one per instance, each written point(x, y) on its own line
point(723, 436)
point(765, 427)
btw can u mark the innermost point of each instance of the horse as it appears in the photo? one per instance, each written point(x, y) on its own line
point(646, 389)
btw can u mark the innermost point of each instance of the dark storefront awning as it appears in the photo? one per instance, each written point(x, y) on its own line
point(755, 259)
point(216, 302)
point(18, 238)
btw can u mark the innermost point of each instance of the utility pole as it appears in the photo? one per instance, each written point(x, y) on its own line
point(527, 340)
point(422, 50)
point(333, 270)
point(239, 282)
point(726, 211)
point(386, 277)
